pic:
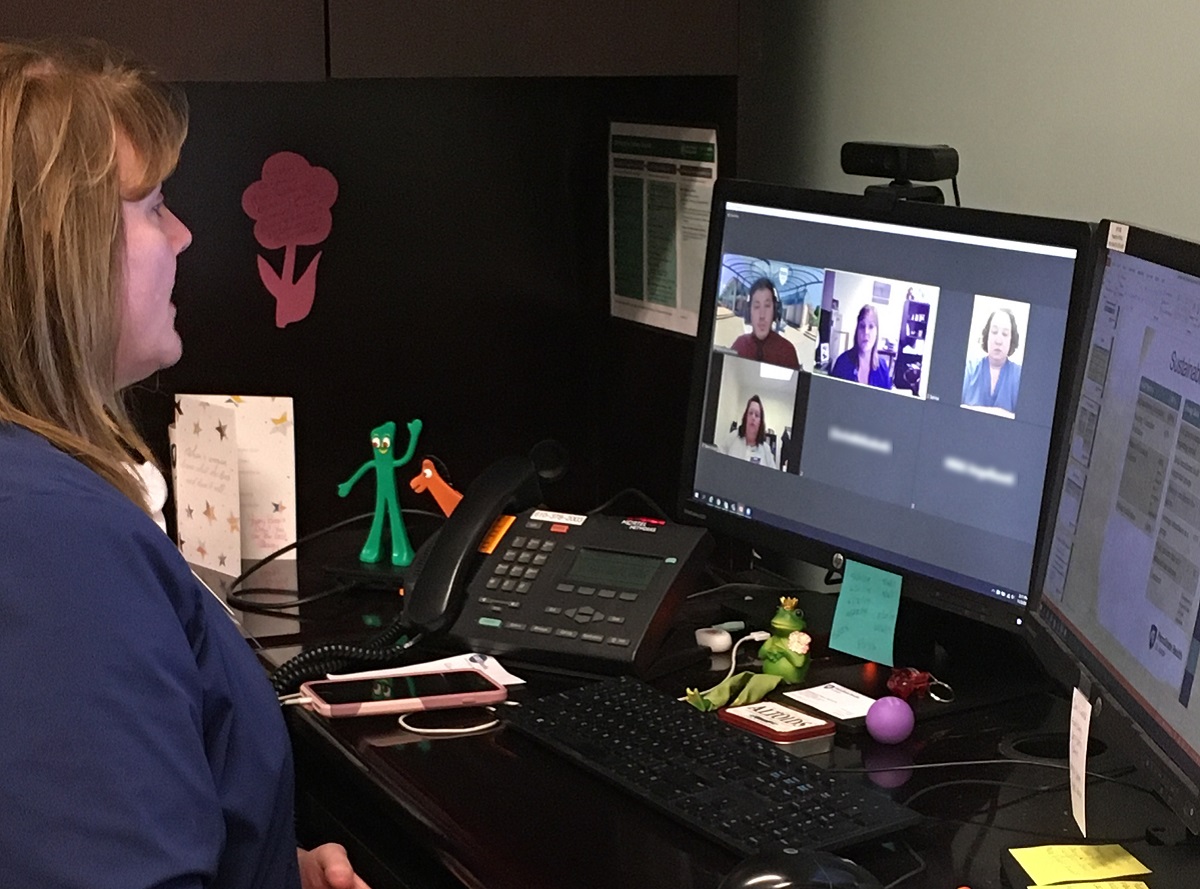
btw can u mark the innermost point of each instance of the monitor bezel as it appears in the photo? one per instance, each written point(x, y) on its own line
point(917, 586)
point(1166, 768)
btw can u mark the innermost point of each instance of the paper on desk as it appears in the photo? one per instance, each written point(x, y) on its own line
point(204, 469)
point(266, 471)
point(864, 622)
point(1106, 884)
point(234, 466)
point(836, 700)
point(1059, 864)
point(482, 662)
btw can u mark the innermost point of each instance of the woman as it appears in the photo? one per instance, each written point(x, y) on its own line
point(142, 744)
point(763, 343)
point(993, 381)
point(861, 363)
point(749, 440)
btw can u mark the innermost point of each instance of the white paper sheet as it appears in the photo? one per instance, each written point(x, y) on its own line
point(660, 197)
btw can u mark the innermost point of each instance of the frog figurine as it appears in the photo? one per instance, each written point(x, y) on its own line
point(785, 652)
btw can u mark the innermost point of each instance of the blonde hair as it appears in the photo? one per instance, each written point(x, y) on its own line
point(64, 108)
point(866, 310)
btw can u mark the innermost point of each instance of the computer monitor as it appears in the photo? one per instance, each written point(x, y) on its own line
point(929, 456)
point(1122, 571)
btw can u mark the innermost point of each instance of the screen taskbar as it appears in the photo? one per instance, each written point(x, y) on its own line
point(1014, 598)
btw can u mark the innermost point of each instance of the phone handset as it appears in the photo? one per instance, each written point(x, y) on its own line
point(436, 596)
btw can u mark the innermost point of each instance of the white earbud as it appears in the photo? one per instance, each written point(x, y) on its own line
point(714, 639)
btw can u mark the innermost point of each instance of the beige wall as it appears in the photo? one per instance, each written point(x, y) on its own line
point(1077, 108)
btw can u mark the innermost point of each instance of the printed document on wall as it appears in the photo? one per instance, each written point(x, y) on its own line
point(660, 196)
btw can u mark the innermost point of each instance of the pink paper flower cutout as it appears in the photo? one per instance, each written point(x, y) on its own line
point(290, 207)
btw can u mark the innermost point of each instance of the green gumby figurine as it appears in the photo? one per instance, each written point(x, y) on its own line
point(382, 439)
point(785, 653)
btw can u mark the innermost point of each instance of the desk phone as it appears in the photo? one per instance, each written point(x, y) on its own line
point(595, 593)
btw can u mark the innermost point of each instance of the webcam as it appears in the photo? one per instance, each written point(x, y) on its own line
point(902, 164)
point(886, 160)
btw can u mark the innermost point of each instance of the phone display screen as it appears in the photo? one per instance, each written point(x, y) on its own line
point(603, 568)
point(394, 688)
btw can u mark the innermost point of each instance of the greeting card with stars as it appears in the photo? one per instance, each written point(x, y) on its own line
point(261, 432)
point(204, 466)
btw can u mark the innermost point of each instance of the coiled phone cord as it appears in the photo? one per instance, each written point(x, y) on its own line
point(385, 650)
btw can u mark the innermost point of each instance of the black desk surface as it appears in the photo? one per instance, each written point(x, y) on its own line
point(497, 810)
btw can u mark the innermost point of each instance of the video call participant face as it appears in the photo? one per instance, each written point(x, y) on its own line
point(998, 337)
point(867, 333)
point(753, 421)
point(762, 311)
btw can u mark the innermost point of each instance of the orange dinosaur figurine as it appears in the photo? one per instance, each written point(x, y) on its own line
point(428, 480)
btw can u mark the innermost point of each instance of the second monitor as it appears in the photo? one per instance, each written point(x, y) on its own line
point(884, 384)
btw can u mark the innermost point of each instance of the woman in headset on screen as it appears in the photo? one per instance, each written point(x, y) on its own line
point(142, 744)
point(763, 342)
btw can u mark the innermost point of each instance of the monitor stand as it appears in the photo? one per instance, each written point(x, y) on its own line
point(982, 664)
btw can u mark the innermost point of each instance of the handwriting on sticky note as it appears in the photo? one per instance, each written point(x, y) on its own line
point(1057, 864)
point(864, 622)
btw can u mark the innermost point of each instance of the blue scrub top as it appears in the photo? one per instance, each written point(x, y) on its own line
point(141, 743)
point(977, 385)
point(846, 368)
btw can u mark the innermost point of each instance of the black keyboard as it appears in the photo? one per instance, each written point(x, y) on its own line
point(730, 786)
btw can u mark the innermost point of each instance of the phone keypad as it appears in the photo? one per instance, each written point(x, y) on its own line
point(569, 616)
point(514, 573)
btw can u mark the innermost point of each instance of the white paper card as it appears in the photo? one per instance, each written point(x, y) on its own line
point(1081, 719)
point(261, 430)
point(482, 662)
point(1118, 236)
point(836, 700)
point(204, 464)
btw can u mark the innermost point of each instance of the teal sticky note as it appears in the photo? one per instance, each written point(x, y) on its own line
point(864, 622)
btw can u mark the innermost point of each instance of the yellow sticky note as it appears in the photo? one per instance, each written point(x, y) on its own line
point(1107, 884)
point(1059, 864)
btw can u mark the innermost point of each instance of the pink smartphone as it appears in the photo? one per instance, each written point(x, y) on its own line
point(403, 694)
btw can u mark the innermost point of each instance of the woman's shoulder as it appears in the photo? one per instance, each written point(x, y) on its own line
point(31, 464)
point(73, 522)
point(43, 483)
point(845, 362)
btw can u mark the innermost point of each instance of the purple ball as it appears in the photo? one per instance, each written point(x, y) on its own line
point(890, 720)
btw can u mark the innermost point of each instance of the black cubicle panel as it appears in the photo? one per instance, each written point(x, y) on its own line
point(464, 282)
